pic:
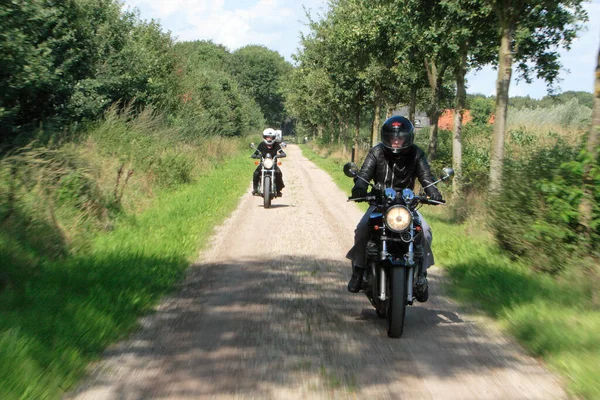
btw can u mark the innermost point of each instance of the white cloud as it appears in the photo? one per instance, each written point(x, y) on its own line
point(235, 23)
point(276, 24)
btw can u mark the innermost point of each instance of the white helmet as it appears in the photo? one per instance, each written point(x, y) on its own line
point(269, 136)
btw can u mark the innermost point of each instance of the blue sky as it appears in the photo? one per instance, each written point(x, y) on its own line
point(277, 24)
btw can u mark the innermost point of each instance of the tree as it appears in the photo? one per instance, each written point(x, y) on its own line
point(590, 166)
point(260, 72)
point(469, 40)
point(530, 31)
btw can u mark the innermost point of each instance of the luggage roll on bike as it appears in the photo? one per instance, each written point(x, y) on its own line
point(394, 254)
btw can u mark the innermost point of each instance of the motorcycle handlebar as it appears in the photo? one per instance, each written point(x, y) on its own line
point(422, 199)
point(367, 198)
point(427, 200)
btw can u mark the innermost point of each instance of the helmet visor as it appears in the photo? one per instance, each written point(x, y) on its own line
point(396, 140)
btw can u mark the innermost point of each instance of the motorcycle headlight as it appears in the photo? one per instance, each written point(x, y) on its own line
point(268, 163)
point(398, 218)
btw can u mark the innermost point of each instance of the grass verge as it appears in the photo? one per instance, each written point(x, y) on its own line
point(550, 317)
point(61, 317)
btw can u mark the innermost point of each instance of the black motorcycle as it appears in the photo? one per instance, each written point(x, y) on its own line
point(267, 186)
point(394, 251)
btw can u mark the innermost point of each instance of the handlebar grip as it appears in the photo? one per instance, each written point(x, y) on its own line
point(427, 200)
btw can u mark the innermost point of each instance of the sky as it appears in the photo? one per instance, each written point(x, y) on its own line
point(277, 24)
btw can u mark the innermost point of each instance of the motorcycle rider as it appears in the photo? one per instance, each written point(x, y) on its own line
point(268, 146)
point(395, 162)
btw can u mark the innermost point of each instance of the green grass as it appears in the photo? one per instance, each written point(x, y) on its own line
point(552, 318)
point(60, 317)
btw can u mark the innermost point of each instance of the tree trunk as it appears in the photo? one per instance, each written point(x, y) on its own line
point(412, 106)
point(376, 120)
point(461, 96)
point(389, 112)
point(502, 85)
point(357, 132)
point(436, 80)
point(591, 158)
point(320, 131)
point(587, 202)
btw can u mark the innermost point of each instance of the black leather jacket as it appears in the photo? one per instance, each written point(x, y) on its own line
point(396, 172)
point(263, 149)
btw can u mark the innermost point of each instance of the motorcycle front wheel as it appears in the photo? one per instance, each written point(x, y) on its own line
point(267, 191)
point(397, 305)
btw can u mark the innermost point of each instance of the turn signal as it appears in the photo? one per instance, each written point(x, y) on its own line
point(418, 228)
point(255, 162)
point(279, 163)
point(376, 227)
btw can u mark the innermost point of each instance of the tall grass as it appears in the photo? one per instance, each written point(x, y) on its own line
point(58, 318)
point(566, 118)
point(552, 317)
point(93, 231)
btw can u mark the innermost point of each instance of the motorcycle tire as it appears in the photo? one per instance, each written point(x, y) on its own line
point(397, 306)
point(267, 191)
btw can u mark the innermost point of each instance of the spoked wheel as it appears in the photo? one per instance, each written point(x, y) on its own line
point(397, 306)
point(267, 191)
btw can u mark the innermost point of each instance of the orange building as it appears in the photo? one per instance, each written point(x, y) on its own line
point(446, 120)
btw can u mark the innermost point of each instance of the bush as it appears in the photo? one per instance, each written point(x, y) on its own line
point(537, 213)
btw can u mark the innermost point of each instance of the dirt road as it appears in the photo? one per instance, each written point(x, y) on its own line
point(264, 314)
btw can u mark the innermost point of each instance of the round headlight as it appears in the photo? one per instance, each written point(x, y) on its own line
point(398, 218)
point(268, 163)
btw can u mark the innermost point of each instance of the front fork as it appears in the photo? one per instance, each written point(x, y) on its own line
point(262, 180)
point(409, 260)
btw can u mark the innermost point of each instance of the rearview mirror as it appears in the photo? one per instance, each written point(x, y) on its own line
point(252, 146)
point(448, 172)
point(350, 169)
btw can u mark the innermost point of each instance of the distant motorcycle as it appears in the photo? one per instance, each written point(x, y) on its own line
point(267, 186)
point(394, 254)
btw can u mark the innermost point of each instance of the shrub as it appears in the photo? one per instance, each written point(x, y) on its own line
point(537, 213)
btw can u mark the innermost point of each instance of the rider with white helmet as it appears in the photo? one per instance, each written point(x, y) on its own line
point(271, 146)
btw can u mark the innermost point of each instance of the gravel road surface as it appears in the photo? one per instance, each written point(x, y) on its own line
point(264, 314)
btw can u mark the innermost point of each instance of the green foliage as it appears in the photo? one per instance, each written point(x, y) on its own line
point(583, 98)
point(67, 61)
point(261, 73)
point(482, 109)
point(211, 102)
point(547, 229)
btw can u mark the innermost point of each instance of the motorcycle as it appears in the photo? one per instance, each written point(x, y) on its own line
point(394, 256)
point(267, 186)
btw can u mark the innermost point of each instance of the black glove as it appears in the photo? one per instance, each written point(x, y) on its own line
point(255, 155)
point(433, 193)
point(358, 193)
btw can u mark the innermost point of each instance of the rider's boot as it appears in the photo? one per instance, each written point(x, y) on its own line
point(422, 288)
point(255, 190)
point(355, 283)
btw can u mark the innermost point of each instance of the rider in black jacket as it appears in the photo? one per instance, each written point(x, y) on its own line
point(395, 162)
point(268, 146)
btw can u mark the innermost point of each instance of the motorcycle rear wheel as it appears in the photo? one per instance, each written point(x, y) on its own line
point(397, 302)
point(267, 192)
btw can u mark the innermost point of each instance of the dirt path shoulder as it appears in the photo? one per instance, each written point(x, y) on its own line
point(264, 314)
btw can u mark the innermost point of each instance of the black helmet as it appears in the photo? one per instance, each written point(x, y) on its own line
point(397, 134)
